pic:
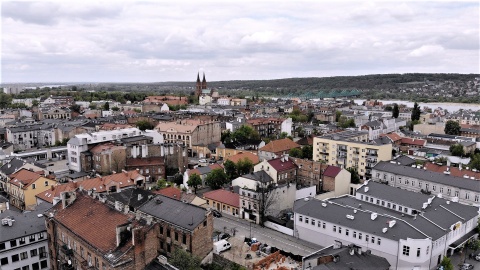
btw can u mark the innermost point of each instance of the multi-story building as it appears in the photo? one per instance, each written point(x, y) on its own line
point(462, 189)
point(266, 127)
point(24, 185)
point(59, 100)
point(104, 158)
point(23, 240)
point(411, 230)
point(351, 149)
point(276, 148)
point(85, 233)
point(282, 170)
point(190, 132)
point(179, 225)
point(223, 201)
point(83, 142)
point(27, 136)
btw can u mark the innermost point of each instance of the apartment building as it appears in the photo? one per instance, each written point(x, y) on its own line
point(27, 136)
point(58, 100)
point(54, 112)
point(179, 225)
point(190, 132)
point(23, 240)
point(348, 149)
point(276, 148)
point(224, 201)
point(282, 170)
point(465, 189)
point(24, 185)
point(411, 230)
point(86, 233)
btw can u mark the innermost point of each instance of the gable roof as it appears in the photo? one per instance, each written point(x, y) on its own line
point(279, 145)
point(279, 164)
point(131, 197)
point(332, 171)
point(223, 196)
point(411, 141)
point(91, 220)
point(171, 192)
point(101, 184)
point(175, 212)
point(205, 170)
point(241, 155)
point(24, 177)
point(393, 136)
point(12, 166)
point(54, 191)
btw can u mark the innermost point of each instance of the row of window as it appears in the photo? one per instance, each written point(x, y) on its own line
point(385, 204)
point(176, 235)
point(406, 250)
point(22, 241)
point(35, 266)
point(339, 229)
point(41, 252)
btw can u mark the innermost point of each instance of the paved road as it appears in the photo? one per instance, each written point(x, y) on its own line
point(458, 258)
point(265, 235)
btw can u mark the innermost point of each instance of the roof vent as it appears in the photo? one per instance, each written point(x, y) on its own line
point(448, 202)
point(350, 217)
point(391, 223)
point(366, 189)
point(440, 195)
point(373, 216)
point(324, 204)
point(8, 221)
point(158, 201)
point(384, 230)
point(425, 204)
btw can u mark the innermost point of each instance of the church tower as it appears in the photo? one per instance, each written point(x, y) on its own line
point(198, 88)
point(204, 82)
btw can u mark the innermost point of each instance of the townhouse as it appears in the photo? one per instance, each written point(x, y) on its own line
point(27, 136)
point(24, 185)
point(224, 201)
point(276, 148)
point(189, 132)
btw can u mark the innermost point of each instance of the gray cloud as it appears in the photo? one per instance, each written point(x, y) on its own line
point(165, 41)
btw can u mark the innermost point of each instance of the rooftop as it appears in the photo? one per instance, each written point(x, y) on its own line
point(223, 196)
point(26, 223)
point(279, 146)
point(282, 164)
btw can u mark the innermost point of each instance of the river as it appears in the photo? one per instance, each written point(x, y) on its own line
point(451, 107)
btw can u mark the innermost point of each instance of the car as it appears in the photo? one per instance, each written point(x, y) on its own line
point(477, 257)
point(466, 266)
point(202, 160)
point(225, 236)
point(216, 213)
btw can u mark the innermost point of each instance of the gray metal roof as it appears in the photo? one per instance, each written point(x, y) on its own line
point(356, 261)
point(182, 214)
point(424, 175)
point(26, 223)
point(397, 195)
point(260, 176)
point(405, 160)
point(336, 214)
point(12, 166)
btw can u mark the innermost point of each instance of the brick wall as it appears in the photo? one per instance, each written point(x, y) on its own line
point(202, 242)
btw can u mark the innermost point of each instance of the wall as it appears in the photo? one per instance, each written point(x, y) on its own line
point(305, 192)
point(278, 228)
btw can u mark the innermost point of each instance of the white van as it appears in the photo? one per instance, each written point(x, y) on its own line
point(220, 246)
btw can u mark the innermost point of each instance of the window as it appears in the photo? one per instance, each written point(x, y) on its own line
point(43, 264)
point(334, 228)
point(418, 252)
point(456, 193)
point(15, 258)
point(26, 267)
point(434, 188)
point(324, 225)
point(354, 234)
point(33, 252)
point(31, 238)
point(97, 264)
point(388, 205)
point(35, 266)
point(379, 241)
point(168, 233)
point(184, 239)
point(89, 259)
point(467, 196)
point(476, 200)
point(24, 255)
point(441, 190)
point(4, 261)
point(394, 206)
point(339, 229)
point(161, 230)
point(300, 218)
point(22, 241)
point(33, 186)
point(176, 236)
point(46, 183)
point(400, 208)
point(366, 237)
point(40, 236)
point(319, 224)
point(428, 249)
point(405, 210)
point(313, 221)
point(360, 236)
point(373, 239)
point(306, 220)
point(42, 252)
point(2, 246)
point(81, 251)
point(169, 248)
point(13, 243)
point(205, 223)
point(346, 232)
point(406, 250)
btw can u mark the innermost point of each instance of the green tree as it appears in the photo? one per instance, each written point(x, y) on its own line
point(416, 112)
point(475, 162)
point(388, 108)
point(446, 263)
point(75, 108)
point(115, 109)
point(295, 152)
point(457, 150)
point(184, 260)
point(194, 181)
point(244, 133)
point(355, 178)
point(226, 136)
point(216, 179)
point(452, 128)
point(411, 124)
point(337, 116)
point(244, 166)
point(230, 169)
point(178, 179)
point(161, 183)
point(106, 106)
point(283, 135)
point(395, 111)
point(93, 106)
point(307, 152)
point(474, 244)
point(144, 125)
point(35, 103)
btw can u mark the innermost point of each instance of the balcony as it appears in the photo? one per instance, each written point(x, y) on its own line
point(369, 153)
point(67, 251)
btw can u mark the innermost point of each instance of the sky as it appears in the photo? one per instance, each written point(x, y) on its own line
point(158, 41)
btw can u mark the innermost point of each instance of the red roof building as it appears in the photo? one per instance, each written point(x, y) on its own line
point(223, 201)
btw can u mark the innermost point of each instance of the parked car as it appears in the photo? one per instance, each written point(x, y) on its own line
point(202, 160)
point(477, 257)
point(225, 236)
point(466, 266)
point(220, 246)
point(216, 213)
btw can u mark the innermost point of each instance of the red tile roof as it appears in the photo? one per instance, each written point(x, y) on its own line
point(279, 165)
point(171, 192)
point(122, 179)
point(332, 171)
point(223, 196)
point(280, 145)
point(411, 141)
point(92, 220)
point(236, 158)
point(454, 171)
point(393, 136)
point(25, 177)
point(55, 191)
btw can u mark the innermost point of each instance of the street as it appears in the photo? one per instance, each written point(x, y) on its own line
point(264, 235)
point(457, 259)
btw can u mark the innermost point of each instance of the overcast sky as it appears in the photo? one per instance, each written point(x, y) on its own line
point(133, 41)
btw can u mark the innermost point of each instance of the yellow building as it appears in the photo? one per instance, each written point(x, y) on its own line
point(24, 185)
point(351, 149)
point(223, 201)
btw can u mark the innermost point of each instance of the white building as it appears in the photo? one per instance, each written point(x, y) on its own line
point(461, 189)
point(410, 230)
point(23, 240)
point(223, 101)
point(27, 136)
point(286, 126)
point(26, 101)
point(81, 142)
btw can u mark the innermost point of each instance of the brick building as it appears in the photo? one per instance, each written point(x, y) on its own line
point(85, 233)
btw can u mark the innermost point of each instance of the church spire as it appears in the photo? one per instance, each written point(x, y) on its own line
point(204, 82)
point(198, 77)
